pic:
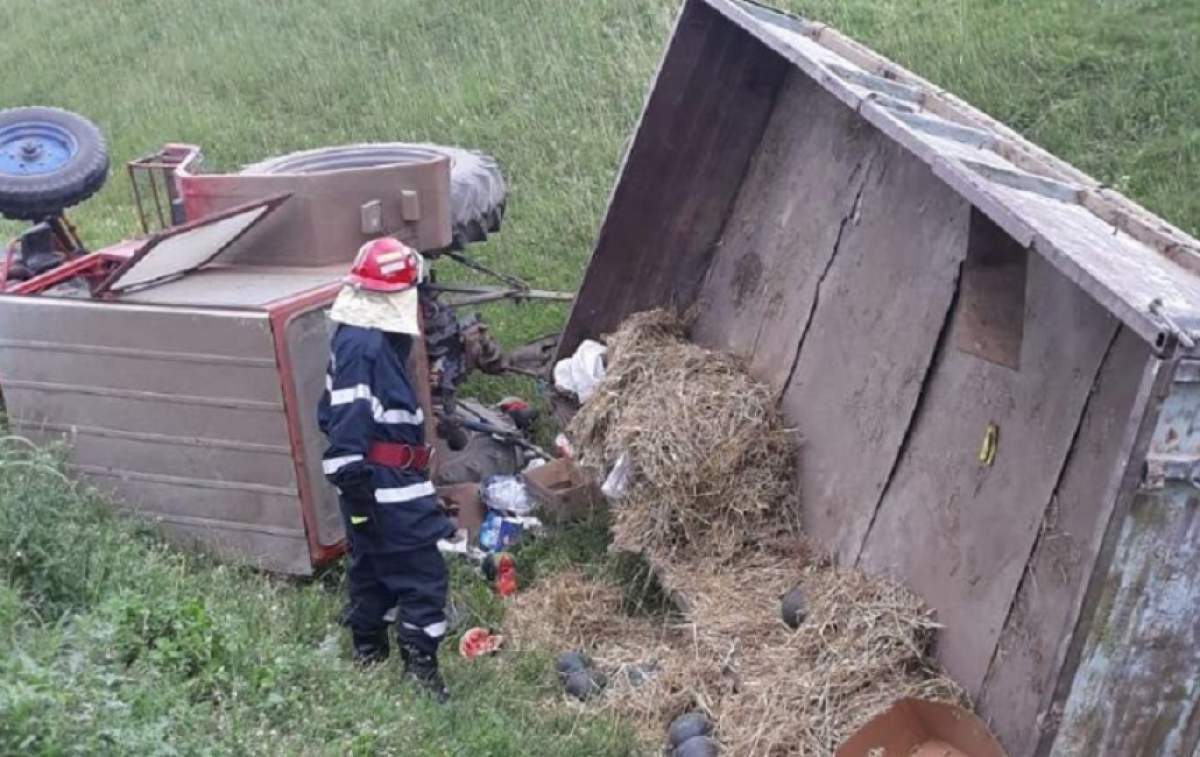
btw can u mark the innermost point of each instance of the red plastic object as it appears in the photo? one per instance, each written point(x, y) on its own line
point(477, 642)
point(506, 575)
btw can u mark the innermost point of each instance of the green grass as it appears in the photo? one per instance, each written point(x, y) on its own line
point(112, 643)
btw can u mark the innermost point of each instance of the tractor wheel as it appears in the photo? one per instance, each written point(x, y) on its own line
point(477, 189)
point(50, 159)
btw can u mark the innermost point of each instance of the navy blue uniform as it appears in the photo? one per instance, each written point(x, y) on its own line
point(393, 520)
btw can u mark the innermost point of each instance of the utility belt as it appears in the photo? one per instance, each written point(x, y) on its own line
point(414, 457)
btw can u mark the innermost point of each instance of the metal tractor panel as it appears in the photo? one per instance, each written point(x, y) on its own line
point(976, 342)
point(177, 411)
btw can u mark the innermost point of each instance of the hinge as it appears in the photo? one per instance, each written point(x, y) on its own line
point(1165, 469)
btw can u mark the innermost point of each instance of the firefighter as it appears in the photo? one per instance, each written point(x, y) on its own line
point(378, 460)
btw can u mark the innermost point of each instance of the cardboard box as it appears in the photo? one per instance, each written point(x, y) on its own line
point(467, 509)
point(565, 492)
point(916, 728)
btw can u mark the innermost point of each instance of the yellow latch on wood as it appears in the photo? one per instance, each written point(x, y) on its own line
point(987, 452)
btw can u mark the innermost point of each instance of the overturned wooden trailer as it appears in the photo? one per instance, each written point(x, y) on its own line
point(992, 360)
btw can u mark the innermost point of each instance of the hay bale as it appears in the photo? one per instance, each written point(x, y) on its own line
point(769, 689)
point(712, 460)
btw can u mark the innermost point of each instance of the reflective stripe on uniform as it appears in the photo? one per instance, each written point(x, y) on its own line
point(335, 464)
point(363, 392)
point(405, 493)
point(433, 630)
point(358, 520)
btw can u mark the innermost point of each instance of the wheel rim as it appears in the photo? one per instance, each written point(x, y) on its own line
point(32, 148)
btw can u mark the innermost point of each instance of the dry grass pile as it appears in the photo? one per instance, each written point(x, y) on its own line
point(771, 690)
point(710, 504)
point(711, 459)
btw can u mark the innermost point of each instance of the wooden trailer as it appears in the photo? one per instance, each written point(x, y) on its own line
point(992, 360)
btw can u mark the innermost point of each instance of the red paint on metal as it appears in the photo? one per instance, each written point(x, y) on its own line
point(92, 265)
point(280, 314)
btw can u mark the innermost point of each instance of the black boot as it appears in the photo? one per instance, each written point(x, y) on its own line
point(422, 669)
point(370, 648)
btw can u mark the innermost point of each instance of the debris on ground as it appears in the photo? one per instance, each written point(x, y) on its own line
point(709, 456)
point(768, 689)
point(580, 373)
point(783, 652)
point(477, 642)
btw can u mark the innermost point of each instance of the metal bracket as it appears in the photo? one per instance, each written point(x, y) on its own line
point(1162, 470)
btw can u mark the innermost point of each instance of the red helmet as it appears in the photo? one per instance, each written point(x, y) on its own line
point(385, 265)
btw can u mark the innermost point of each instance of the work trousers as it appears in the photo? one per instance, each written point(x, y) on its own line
point(414, 580)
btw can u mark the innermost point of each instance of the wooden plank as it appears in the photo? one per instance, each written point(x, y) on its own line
point(858, 376)
point(798, 194)
point(703, 121)
point(959, 531)
point(828, 240)
point(1019, 688)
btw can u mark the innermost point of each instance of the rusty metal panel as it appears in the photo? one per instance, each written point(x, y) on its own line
point(1136, 690)
point(1020, 686)
point(712, 96)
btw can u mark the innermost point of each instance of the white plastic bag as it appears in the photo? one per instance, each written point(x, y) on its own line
point(615, 486)
point(580, 373)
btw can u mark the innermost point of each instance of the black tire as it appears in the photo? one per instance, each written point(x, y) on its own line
point(477, 188)
point(32, 196)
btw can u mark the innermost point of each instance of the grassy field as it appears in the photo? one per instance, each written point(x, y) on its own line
point(111, 643)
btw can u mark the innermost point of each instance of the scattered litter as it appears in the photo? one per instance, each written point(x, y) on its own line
point(640, 672)
point(580, 373)
point(564, 491)
point(770, 690)
point(499, 532)
point(710, 457)
point(918, 728)
point(533, 464)
point(616, 484)
point(506, 575)
point(477, 642)
point(710, 504)
point(563, 447)
point(507, 494)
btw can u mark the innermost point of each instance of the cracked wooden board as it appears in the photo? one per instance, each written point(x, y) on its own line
point(833, 230)
point(1020, 685)
point(712, 97)
point(793, 206)
point(961, 532)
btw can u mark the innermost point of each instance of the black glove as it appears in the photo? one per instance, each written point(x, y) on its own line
point(358, 497)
